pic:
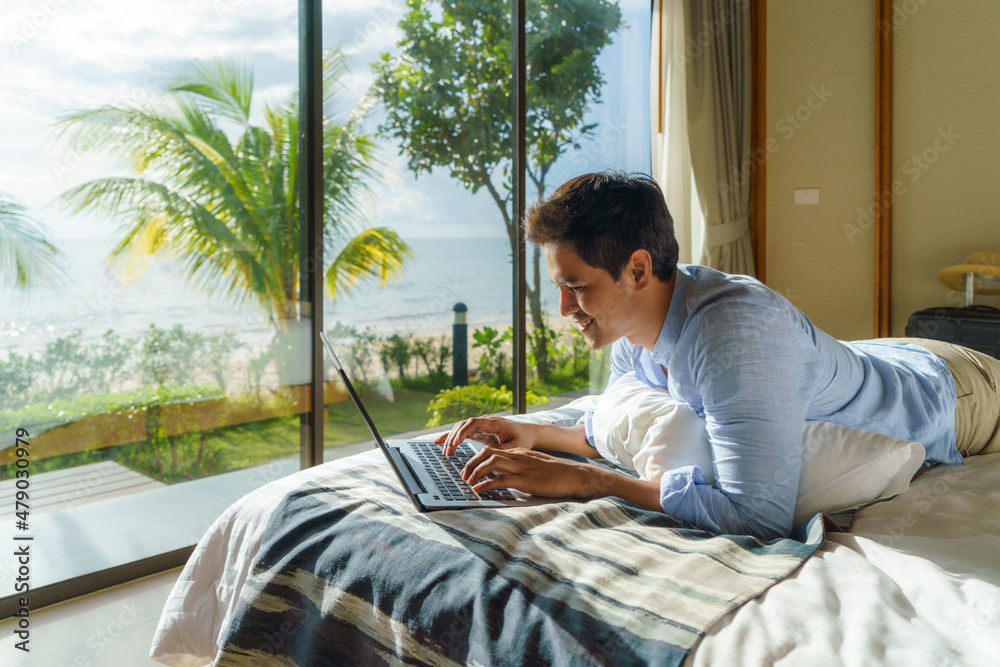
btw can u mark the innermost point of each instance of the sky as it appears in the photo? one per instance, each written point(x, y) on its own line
point(57, 56)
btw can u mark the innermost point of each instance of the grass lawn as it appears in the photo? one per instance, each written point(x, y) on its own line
point(263, 441)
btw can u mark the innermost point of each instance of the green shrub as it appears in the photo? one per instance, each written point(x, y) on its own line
point(169, 356)
point(41, 417)
point(168, 459)
point(362, 359)
point(64, 363)
point(494, 365)
point(397, 350)
point(67, 367)
point(570, 354)
point(17, 375)
point(435, 355)
point(457, 403)
point(108, 362)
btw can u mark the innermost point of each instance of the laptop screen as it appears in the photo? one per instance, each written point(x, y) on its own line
point(354, 394)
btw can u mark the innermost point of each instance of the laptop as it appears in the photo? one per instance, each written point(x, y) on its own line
point(431, 480)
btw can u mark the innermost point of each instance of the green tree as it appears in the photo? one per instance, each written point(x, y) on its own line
point(447, 95)
point(26, 257)
point(398, 350)
point(221, 193)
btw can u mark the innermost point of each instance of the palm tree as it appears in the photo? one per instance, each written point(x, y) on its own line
point(227, 208)
point(25, 256)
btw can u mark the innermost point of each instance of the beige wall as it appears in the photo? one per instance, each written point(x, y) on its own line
point(817, 45)
point(946, 147)
point(947, 77)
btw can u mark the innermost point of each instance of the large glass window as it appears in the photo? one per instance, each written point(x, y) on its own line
point(152, 340)
point(150, 163)
point(588, 63)
point(588, 110)
point(432, 82)
point(436, 77)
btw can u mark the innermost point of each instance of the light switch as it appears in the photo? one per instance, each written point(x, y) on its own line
point(807, 196)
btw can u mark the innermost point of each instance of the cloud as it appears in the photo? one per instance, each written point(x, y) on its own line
point(94, 52)
point(433, 205)
point(83, 53)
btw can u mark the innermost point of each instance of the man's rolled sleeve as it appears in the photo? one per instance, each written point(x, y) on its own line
point(685, 494)
point(755, 375)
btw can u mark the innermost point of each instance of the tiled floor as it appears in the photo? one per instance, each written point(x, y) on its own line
point(112, 628)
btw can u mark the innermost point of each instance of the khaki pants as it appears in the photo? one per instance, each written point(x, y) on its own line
point(977, 407)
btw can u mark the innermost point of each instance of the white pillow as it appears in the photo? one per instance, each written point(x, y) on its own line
point(642, 428)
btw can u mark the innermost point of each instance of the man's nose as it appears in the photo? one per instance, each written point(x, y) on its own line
point(567, 302)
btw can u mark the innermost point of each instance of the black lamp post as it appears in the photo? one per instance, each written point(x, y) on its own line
point(459, 346)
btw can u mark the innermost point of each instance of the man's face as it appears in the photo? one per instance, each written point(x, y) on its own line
point(596, 302)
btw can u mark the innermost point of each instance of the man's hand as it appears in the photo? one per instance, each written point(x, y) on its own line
point(536, 473)
point(497, 432)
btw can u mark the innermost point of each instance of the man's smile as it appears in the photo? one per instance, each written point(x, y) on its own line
point(583, 323)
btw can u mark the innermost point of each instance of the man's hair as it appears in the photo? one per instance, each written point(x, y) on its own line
point(605, 217)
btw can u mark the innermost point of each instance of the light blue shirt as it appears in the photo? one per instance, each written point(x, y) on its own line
point(756, 369)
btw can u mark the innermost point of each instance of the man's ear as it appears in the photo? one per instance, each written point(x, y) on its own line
point(640, 267)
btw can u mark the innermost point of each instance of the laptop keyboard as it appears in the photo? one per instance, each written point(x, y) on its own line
point(446, 471)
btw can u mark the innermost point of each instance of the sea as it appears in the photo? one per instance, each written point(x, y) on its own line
point(94, 299)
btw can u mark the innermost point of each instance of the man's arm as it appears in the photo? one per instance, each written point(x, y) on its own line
point(755, 372)
point(540, 474)
point(565, 439)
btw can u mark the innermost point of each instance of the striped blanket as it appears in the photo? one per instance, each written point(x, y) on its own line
point(348, 573)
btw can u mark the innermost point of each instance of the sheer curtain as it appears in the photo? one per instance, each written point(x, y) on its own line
point(671, 154)
point(700, 78)
point(717, 53)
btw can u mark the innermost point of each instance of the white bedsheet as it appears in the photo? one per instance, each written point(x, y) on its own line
point(916, 582)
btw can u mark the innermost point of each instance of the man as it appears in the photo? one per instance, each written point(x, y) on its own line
point(737, 352)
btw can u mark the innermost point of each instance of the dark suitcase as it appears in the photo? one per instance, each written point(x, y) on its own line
point(976, 327)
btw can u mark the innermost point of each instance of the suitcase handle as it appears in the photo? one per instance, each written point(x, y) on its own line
point(983, 307)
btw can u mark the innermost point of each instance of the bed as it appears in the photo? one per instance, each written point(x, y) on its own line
point(332, 565)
